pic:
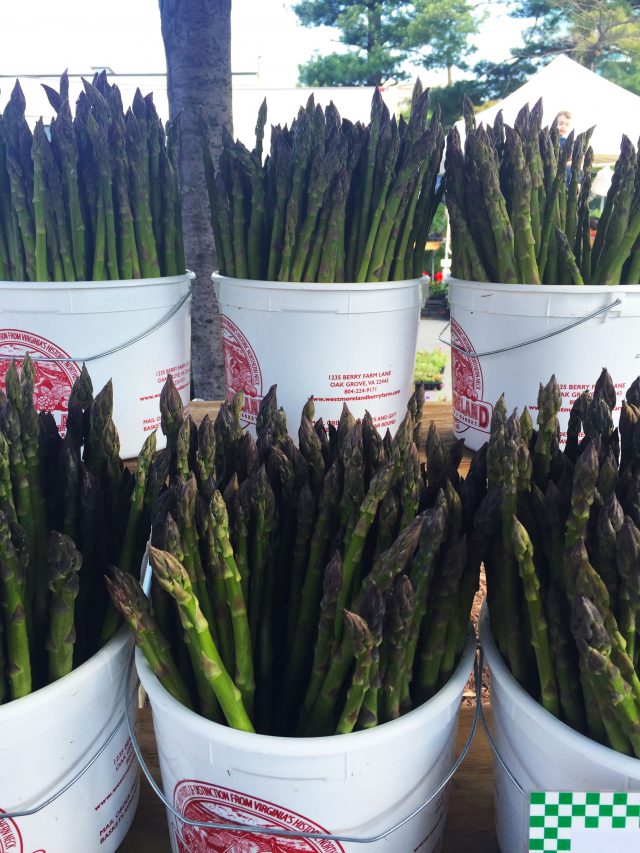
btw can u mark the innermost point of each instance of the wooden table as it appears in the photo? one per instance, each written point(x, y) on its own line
point(438, 411)
point(469, 826)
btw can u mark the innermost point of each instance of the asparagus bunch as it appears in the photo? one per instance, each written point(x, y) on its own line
point(332, 201)
point(66, 505)
point(563, 568)
point(308, 589)
point(96, 197)
point(518, 200)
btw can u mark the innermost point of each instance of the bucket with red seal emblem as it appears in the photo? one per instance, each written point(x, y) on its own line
point(68, 775)
point(132, 332)
point(508, 338)
point(382, 790)
point(340, 343)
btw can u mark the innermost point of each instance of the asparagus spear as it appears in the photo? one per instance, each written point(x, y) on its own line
point(133, 605)
point(523, 551)
point(139, 190)
point(145, 456)
point(362, 642)
point(175, 580)
point(354, 545)
point(63, 565)
point(331, 586)
point(433, 648)
point(243, 673)
point(595, 648)
point(14, 608)
point(396, 672)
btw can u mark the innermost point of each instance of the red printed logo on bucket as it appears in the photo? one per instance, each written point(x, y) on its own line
point(469, 409)
point(53, 379)
point(241, 369)
point(10, 838)
point(213, 804)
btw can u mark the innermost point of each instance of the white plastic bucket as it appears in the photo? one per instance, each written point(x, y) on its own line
point(46, 738)
point(358, 784)
point(541, 752)
point(343, 343)
point(140, 329)
point(489, 317)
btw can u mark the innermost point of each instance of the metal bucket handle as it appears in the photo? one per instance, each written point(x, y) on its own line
point(158, 325)
point(15, 813)
point(531, 340)
point(286, 833)
point(485, 726)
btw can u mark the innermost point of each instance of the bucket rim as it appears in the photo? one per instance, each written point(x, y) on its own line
point(71, 683)
point(307, 747)
point(310, 287)
point(59, 286)
point(596, 752)
point(563, 289)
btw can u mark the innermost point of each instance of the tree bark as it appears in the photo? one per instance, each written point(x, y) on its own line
point(197, 43)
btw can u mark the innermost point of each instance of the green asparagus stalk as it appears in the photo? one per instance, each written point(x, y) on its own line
point(243, 673)
point(523, 552)
point(133, 605)
point(140, 197)
point(136, 505)
point(332, 584)
point(14, 609)
point(397, 669)
point(174, 579)
point(63, 565)
point(362, 642)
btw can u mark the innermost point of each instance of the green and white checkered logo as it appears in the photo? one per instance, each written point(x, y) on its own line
point(557, 818)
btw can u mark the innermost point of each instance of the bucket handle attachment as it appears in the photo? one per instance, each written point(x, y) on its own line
point(494, 748)
point(531, 340)
point(15, 813)
point(85, 358)
point(281, 833)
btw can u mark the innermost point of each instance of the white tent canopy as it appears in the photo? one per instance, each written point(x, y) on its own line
point(566, 85)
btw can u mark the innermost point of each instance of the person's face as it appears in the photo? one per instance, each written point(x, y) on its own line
point(564, 125)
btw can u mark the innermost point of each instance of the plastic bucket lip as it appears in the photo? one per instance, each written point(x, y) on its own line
point(546, 288)
point(69, 684)
point(306, 747)
point(598, 754)
point(95, 285)
point(309, 287)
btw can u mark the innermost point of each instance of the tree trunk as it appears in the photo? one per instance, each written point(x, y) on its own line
point(197, 43)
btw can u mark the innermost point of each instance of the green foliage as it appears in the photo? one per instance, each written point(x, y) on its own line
point(450, 98)
point(593, 32)
point(430, 365)
point(439, 224)
point(439, 36)
point(433, 260)
point(380, 36)
point(350, 69)
point(602, 35)
point(625, 74)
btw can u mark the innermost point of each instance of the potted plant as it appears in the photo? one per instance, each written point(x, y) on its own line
point(437, 301)
point(430, 365)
